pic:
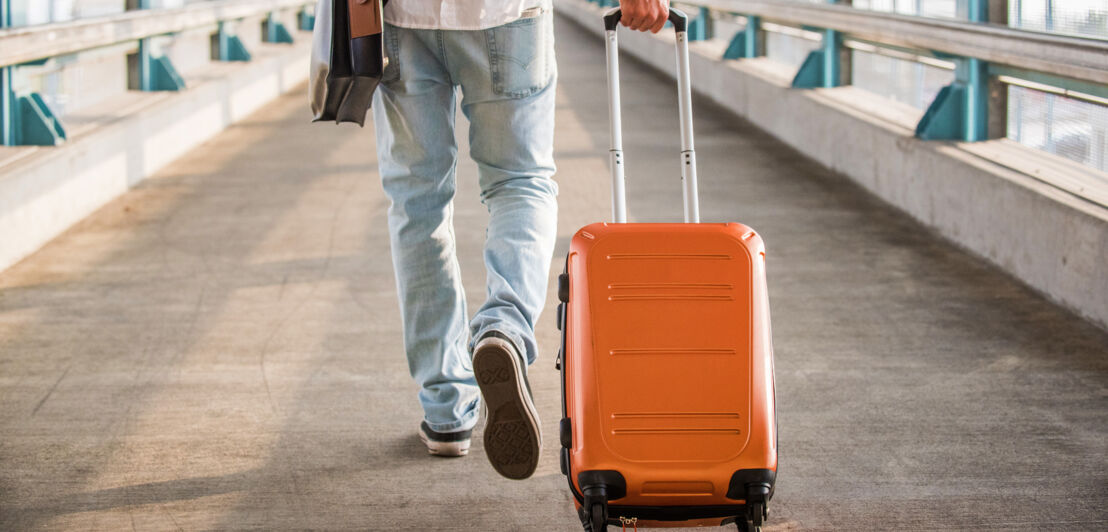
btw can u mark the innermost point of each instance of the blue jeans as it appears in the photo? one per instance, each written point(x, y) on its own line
point(507, 79)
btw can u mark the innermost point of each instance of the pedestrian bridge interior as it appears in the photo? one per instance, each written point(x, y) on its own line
point(198, 315)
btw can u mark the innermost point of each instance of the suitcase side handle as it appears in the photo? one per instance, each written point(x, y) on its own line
point(684, 101)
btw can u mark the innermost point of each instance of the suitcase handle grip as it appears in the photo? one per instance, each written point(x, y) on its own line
point(684, 101)
point(679, 20)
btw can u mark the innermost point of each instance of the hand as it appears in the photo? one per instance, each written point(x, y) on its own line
point(644, 15)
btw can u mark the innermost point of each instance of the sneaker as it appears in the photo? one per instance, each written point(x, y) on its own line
point(513, 439)
point(445, 443)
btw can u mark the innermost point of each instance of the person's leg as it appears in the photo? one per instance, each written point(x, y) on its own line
point(413, 113)
point(511, 135)
point(507, 77)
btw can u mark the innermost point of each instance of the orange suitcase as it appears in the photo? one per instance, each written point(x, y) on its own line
point(666, 358)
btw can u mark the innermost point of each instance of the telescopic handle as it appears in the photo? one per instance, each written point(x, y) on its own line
point(684, 94)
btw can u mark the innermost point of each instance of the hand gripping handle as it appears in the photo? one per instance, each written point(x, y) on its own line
point(680, 20)
point(684, 93)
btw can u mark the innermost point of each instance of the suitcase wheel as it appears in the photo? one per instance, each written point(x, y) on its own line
point(594, 510)
point(744, 525)
point(597, 518)
point(597, 488)
point(755, 516)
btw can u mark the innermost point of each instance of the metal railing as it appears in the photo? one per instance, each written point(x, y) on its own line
point(985, 56)
point(1066, 56)
point(25, 119)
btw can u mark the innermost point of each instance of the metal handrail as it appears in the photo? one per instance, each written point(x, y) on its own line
point(30, 43)
point(1079, 58)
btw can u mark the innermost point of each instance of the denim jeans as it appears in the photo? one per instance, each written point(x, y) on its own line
point(506, 76)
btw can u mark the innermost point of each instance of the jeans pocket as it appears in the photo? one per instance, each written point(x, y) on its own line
point(521, 56)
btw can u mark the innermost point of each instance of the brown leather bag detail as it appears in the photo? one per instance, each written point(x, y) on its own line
point(365, 18)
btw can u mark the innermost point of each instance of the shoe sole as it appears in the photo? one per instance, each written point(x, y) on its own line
point(445, 449)
point(512, 434)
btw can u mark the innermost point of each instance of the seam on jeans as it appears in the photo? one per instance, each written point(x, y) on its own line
point(442, 53)
point(459, 287)
point(494, 65)
point(392, 41)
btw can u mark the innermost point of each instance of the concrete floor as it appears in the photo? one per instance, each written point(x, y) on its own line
point(220, 348)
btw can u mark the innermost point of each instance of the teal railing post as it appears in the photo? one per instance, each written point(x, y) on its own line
point(270, 33)
point(155, 72)
point(749, 42)
point(7, 107)
point(829, 65)
point(230, 47)
point(961, 110)
point(144, 66)
point(306, 19)
point(24, 118)
point(996, 12)
point(7, 96)
point(275, 31)
point(700, 28)
point(36, 124)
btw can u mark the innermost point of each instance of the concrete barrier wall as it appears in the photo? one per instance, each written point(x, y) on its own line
point(1053, 241)
point(43, 191)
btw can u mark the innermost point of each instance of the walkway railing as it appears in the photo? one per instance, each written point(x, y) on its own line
point(984, 56)
point(25, 119)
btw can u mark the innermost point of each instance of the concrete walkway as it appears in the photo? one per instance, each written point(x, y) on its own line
point(220, 348)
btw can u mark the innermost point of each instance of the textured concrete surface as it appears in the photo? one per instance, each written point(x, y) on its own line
point(219, 348)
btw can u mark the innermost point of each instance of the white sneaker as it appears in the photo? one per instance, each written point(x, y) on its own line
point(445, 443)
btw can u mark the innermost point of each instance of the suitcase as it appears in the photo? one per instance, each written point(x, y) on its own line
point(666, 360)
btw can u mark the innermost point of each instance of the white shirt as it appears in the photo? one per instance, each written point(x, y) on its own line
point(459, 14)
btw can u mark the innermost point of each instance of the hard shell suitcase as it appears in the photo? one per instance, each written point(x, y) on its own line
point(666, 358)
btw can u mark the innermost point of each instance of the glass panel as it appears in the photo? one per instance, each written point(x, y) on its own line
point(164, 4)
point(74, 82)
point(726, 28)
point(1077, 17)
point(789, 49)
point(30, 12)
point(909, 82)
point(1073, 129)
point(927, 8)
point(96, 8)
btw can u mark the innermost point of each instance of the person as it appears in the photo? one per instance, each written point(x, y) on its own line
point(500, 53)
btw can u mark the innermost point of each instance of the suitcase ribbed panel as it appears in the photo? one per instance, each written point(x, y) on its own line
point(664, 338)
